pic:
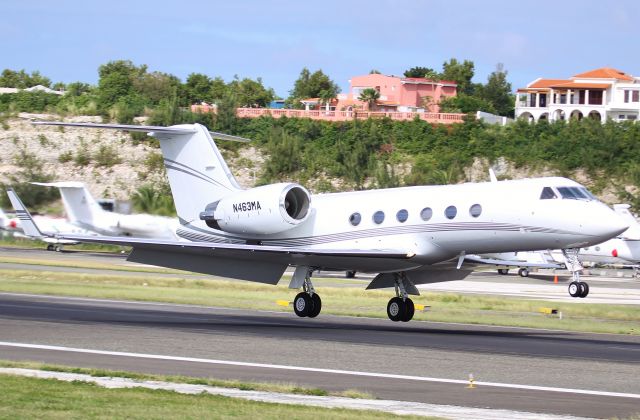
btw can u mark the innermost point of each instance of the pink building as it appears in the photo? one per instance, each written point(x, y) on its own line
point(397, 94)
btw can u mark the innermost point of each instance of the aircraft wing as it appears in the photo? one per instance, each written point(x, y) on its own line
point(259, 263)
point(476, 259)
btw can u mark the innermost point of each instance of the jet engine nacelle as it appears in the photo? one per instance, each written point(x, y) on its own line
point(262, 210)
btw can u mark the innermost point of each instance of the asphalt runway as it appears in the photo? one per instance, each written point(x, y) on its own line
point(417, 361)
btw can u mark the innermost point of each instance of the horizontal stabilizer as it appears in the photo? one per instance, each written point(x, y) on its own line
point(182, 129)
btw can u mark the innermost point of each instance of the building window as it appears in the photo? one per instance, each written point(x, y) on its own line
point(402, 216)
point(378, 217)
point(626, 96)
point(355, 219)
point(475, 210)
point(451, 212)
point(636, 96)
point(426, 213)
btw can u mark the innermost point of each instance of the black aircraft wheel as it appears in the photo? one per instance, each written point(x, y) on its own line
point(396, 309)
point(410, 310)
point(50, 247)
point(503, 271)
point(302, 304)
point(350, 274)
point(523, 272)
point(584, 290)
point(574, 289)
point(316, 304)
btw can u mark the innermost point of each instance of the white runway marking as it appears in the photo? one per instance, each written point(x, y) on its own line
point(318, 370)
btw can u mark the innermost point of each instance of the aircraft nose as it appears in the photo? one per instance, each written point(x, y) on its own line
point(608, 224)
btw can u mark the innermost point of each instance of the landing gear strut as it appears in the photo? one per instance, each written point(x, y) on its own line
point(307, 303)
point(401, 307)
point(577, 288)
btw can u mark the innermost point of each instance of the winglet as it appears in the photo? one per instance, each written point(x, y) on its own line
point(26, 221)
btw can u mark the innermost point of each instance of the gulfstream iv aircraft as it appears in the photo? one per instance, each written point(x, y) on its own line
point(409, 236)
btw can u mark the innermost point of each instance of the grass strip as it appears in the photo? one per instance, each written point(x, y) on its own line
point(445, 307)
point(24, 397)
point(285, 388)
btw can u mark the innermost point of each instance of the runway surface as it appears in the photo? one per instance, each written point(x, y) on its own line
point(417, 361)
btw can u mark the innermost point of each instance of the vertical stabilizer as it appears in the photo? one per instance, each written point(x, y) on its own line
point(81, 208)
point(196, 169)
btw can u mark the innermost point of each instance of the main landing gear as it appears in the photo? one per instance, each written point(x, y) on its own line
point(307, 303)
point(401, 307)
point(577, 288)
point(52, 247)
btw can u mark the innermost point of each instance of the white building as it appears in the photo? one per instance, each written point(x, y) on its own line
point(601, 94)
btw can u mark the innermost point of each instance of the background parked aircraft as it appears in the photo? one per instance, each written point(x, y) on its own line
point(85, 212)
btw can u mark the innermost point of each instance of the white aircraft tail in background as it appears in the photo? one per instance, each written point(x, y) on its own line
point(85, 212)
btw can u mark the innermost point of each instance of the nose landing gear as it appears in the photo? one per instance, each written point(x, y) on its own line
point(577, 288)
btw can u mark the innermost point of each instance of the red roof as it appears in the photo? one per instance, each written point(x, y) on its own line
point(604, 73)
point(547, 83)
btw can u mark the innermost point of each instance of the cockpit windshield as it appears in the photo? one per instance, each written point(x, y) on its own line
point(570, 193)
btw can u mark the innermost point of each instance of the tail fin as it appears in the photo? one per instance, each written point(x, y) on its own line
point(634, 227)
point(79, 205)
point(197, 171)
point(26, 221)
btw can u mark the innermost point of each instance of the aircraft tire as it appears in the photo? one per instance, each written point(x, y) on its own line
point(50, 247)
point(523, 272)
point(584, 290)
point(503, 271)
point(316, 304)
point(574, 289)
point(396, 309)
point(302, 304)
point(410, 310)
point(350, 274)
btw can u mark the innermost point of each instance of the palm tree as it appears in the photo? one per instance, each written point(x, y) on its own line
point(370, 96)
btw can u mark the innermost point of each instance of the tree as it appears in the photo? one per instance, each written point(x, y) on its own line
point(427, 72)
point(116, 82)
point(251, 93)
point(310, 85)
point(370, 96)
point(462, 103)
point(22, 80)
point(497, 91)
point(198, 88)
point(461, 73)
point(374, 71)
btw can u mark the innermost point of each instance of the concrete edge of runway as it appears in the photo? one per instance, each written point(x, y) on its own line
point(389, 406)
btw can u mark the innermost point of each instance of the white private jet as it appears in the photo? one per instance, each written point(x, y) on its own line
point(51, 226)
point(410, 235)
point(85, 212)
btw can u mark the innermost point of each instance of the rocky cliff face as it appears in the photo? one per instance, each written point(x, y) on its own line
point(73, 154)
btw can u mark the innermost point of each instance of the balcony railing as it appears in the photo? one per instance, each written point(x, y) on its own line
point(435, 117)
